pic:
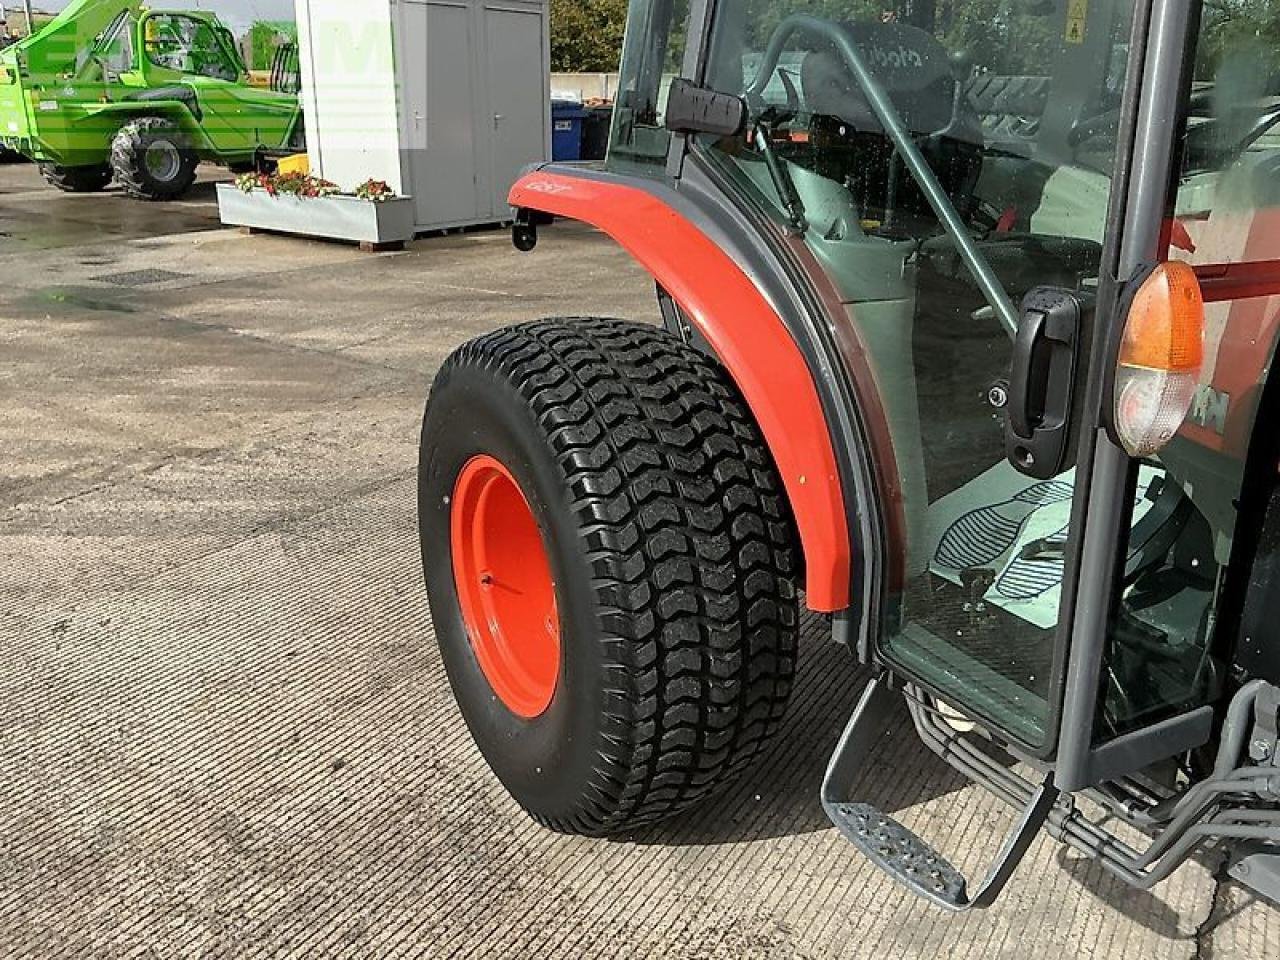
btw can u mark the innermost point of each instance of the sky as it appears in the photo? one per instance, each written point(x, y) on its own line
point(237, 14)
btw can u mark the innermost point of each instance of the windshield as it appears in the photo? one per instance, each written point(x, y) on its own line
point(938, 163)
point(190, 46)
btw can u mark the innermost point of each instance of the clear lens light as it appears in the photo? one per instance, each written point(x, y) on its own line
point(1151, 406)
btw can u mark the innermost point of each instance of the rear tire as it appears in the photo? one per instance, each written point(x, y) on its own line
point(671, 553)
point(153, 159)
point(91, 179)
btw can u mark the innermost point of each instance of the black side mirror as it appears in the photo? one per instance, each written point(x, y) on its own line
point(695, 109)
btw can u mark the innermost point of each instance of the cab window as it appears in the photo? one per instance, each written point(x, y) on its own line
point(652, 57)
point(114, 52)
point(1228, 194)
point(189, 46)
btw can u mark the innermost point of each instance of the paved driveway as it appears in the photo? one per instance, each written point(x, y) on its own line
point(226, 731)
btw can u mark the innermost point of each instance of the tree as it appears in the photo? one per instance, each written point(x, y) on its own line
point(586, 35)
point(1240, 37)
point(267, 35)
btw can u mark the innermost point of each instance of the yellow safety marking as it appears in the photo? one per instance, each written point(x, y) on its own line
point(1077, 20)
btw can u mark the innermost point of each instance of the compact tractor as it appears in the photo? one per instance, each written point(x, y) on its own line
point(970, 319)
point(111, 90)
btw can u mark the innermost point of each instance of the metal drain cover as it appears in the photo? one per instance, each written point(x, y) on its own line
point(141, 278)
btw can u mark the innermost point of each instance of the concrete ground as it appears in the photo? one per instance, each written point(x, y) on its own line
point(226, 731)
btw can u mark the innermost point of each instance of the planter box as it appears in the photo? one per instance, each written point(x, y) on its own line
point(333, 218)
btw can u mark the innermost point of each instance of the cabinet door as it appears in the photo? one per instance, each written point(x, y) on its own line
point(517, 96)
point(441, 99)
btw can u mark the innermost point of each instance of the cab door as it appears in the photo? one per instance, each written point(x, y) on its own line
point(952, 195)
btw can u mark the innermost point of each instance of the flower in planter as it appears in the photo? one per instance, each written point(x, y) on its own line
point(249, 182)
point(302, 185)
point(375, 191)
point(292, 184)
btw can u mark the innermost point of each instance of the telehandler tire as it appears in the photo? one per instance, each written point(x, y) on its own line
point(153, 159)
point(91, 179)
point(611, 566)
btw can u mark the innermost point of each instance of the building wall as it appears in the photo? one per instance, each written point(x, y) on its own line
point(349, 91)
point(585, 86)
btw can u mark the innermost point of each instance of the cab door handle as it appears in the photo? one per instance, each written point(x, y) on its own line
point(1041, 418)
point(1027, 374)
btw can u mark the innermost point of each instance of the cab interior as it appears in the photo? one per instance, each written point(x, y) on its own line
point(1022, 141)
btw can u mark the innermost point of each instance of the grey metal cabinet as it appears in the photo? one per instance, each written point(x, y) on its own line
point(474, 98)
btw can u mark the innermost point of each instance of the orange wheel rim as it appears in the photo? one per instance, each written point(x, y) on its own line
point(505, 588)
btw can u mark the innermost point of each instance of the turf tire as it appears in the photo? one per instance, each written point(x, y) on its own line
point(673, 553)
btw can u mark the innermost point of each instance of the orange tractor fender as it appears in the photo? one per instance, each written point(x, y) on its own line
point(750, 339)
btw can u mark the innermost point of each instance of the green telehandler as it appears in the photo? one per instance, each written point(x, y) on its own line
point(110, 90)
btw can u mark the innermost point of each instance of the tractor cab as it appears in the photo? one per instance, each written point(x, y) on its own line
point(1000, 285)
point(191, 45)
point(147, 47)
point(951, 195)
point(138, 47)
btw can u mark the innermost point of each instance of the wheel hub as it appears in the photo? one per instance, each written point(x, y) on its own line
point(505, 588)
point(162, 161)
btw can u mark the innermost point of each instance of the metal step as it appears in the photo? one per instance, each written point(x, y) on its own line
point(895, 849)
point(900, 853)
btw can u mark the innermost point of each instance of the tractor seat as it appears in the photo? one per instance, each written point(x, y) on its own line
point(911, 65)
point(182, 94)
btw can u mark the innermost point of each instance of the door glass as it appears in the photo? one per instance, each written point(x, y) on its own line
point(188, 45)
point(652, 57)
point(1014, 107)
point(1227, 223)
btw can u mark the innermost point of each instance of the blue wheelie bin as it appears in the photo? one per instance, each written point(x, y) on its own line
point(567, 117)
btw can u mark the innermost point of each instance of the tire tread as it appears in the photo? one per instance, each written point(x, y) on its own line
point(692, 549)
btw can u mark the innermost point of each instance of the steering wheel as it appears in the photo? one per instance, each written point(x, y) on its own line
point(793, 93)
point(1204, 154)
point(1088, 127)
